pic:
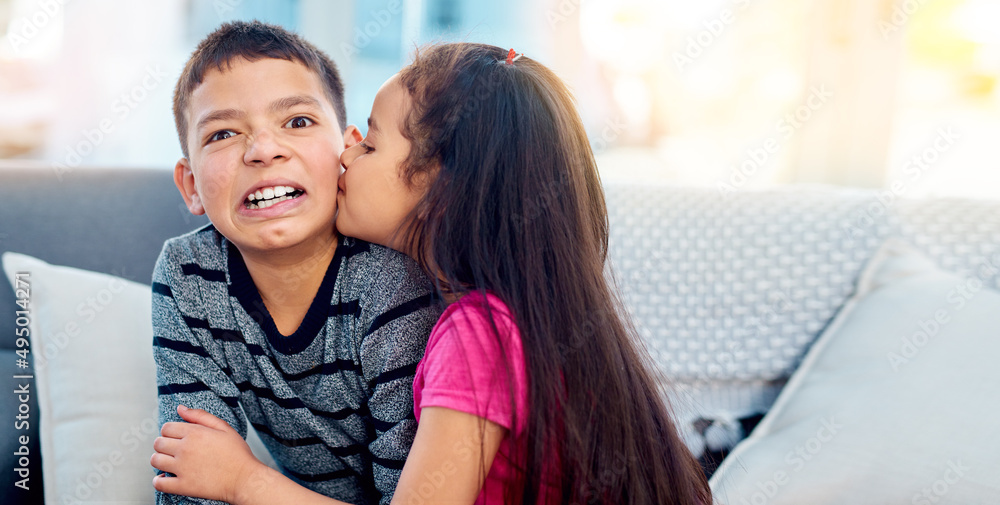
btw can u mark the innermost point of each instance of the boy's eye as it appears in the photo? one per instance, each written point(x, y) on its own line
point(221, 135)
point(299, 122)
point(366, 147)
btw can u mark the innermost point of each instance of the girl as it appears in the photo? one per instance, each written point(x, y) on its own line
point(533, 388)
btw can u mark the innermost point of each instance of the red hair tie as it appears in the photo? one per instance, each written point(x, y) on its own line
point(512, 56)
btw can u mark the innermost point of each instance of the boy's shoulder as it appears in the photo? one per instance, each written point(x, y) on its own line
point(201, 251)
point(200, 244)
point(371, 268)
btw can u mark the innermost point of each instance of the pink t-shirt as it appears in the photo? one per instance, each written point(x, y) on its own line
point(463, 369)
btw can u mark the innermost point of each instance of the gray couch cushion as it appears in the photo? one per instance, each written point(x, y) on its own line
point(112, 221)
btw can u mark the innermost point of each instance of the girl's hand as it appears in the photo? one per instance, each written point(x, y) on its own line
point(209, 458)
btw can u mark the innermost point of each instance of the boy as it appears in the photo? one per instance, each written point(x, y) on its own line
point(267, 315)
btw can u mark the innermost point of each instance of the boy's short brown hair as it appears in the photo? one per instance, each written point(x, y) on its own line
point(253, 40)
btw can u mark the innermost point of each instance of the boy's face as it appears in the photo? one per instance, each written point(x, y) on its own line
point(264, 150)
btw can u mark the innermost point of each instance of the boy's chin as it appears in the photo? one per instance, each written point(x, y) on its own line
point(289, 239)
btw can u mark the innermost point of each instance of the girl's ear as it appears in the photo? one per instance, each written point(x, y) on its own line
point(352, 135)
point(423, 179)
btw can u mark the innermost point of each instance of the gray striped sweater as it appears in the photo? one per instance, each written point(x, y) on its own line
point(333, 402)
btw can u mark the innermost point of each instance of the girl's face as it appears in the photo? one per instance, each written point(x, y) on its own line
point(373, 198)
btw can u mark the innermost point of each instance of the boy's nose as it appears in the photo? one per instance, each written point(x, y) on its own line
point(264, 149)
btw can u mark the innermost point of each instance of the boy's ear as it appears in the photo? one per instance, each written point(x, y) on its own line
point(184, 179)
point(352, 135)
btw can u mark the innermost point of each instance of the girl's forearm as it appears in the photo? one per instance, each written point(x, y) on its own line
point(267, 486)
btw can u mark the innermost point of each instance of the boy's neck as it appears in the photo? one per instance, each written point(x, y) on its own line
point(288, 280)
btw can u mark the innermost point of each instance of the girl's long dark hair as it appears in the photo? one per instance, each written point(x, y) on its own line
point(514, 206)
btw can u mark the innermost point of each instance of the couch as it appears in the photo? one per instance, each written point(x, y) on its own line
point(105, 220)
point(729, 292)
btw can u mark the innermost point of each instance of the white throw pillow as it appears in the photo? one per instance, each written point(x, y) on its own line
point(95, 381)
point(895, 403)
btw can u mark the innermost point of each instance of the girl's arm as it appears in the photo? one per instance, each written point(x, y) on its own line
point(449, 459)
point(211, 460)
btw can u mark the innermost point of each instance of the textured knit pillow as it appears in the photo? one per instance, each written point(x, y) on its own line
point(895, 403)
point(961, 235)
point(735, 287)
point(728, 291)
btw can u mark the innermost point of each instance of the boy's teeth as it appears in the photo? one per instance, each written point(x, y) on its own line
point(266, 197)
